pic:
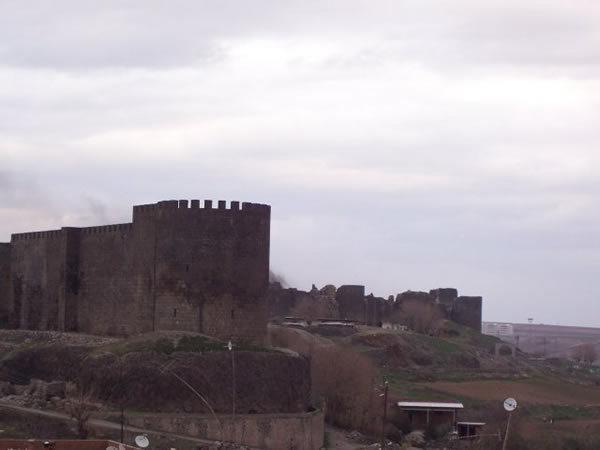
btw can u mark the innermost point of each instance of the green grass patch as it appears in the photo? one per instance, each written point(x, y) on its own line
point(401, 385)
point(563, 412)
point(437, 344)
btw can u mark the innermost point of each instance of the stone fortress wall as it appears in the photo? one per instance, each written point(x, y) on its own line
point(178, 266)
point(354, 305)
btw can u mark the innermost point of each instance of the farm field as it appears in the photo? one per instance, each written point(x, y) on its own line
point(531, 391)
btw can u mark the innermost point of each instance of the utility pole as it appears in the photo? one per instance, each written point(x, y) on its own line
point(531, 344)
point(510, 404)
point(233, 389)
point(122, 423)
point(121, 391)
point(385, 405)
point(506, 433)
point(544, 346)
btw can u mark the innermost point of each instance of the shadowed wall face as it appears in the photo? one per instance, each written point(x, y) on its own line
point(467, 311)
point(114, 295)
point(351, 301)
point(37, 278)
point(4, 283)
point(445, 297)
point(212, 270)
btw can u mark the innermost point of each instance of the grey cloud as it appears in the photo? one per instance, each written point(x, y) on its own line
point(160, 34)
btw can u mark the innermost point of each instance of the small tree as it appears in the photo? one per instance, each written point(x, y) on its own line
point(79, 406)
point(346, 381)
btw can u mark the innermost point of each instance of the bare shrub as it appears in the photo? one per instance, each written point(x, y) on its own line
point(80, 406)
point(585, 353)
point(346, 381)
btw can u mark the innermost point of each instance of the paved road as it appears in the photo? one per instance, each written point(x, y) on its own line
point(101, 424)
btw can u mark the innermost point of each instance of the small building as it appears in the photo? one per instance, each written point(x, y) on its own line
point(422, 415)
point(335, 322)
point(469, 430)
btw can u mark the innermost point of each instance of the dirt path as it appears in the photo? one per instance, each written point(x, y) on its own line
point(101, 424)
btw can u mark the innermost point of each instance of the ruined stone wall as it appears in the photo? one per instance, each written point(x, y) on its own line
point(281, 301)
point(4, 283)
point(374, 310)
point(445, 297)
point(467, 312)
point(351, 302)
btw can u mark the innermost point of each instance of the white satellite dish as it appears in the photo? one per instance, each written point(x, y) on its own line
point(142, 441)
point(510, 404)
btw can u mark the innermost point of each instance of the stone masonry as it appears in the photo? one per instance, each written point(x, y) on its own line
point(178, 266)
point(354, 305)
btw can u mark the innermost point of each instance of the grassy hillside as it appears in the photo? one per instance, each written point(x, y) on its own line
point(558, 401)
point(145, 372)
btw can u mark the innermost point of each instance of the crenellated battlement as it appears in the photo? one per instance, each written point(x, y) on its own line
point(54, 234)
point(50, 234)
point(206, 205)
point(217, 207)
point(107, 228)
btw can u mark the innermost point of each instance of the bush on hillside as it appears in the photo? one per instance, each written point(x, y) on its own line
point(346, 381)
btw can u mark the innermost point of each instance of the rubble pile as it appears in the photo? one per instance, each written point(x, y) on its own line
point(37, 394)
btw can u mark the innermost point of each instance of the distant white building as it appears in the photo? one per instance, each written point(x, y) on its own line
point(497, 329)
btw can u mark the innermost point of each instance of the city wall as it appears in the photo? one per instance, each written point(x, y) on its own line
point(177, 266)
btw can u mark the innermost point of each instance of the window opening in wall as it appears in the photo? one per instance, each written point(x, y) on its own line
point(187, 267)
point(174, 312)
point(232, 313)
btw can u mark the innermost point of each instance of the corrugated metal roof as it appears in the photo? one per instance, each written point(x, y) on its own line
point(430, 405)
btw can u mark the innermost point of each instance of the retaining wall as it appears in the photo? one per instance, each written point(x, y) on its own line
point(303, 431)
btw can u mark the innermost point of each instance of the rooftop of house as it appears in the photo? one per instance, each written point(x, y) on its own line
point(429, 405)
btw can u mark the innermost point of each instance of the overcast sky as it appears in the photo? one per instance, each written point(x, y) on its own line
point(406, 144)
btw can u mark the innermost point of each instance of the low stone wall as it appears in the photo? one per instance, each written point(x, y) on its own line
point(302, 431)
